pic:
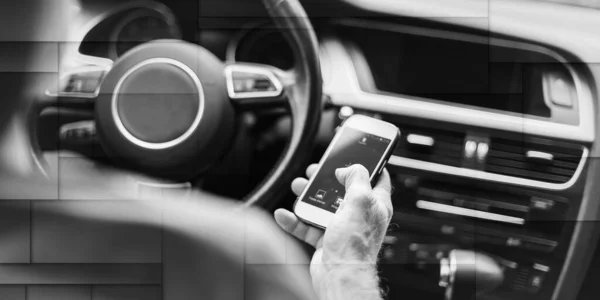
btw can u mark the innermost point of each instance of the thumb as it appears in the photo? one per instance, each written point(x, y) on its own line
point(355, 180)
point(354, 175)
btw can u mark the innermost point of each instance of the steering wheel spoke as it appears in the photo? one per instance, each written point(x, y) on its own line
point(76, 89)
point(254, 86)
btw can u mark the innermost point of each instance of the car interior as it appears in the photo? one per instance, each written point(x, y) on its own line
point(496, 101)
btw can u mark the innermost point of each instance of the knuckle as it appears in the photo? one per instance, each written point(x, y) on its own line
point(389, 210)
point(358, 169)
point(361, 194)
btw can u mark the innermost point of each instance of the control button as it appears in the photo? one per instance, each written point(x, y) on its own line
point(85, 82)
point(75, 85)
point(541, 204)
point(482, 151)
point(83, 131)
point(90, 85)
point(559, 90)
point(338, 201)
point(470, 148)
point(248, 83)
point(447, 230)
point(252, 82)
point(420, 140)
point(345, 112)
point(513, 242)
point(540, 267)
point(320, 194)
point(536, 281)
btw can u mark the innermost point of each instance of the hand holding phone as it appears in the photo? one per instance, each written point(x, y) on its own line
point(361, 140)
point(344, 262)
point(352, 168)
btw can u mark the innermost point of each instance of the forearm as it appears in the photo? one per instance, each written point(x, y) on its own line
point(349, 282)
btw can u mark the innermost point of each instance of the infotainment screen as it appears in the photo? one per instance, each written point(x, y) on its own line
point(452, 68)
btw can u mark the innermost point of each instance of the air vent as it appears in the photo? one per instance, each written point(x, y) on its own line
point(536, 159)
point(431, 145)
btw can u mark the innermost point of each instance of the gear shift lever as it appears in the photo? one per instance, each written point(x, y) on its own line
point(466, 274)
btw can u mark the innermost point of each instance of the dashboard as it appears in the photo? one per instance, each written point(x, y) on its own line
point(501, 169)
point(499, 124)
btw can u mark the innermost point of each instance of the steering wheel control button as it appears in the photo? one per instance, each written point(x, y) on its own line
point(79, 132)
point(87, 82)
point(250, 83)
point(247, 81)
point(77, 88)
point(158, 103)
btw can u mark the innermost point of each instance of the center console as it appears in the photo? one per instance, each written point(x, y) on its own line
point(495, 166)
point(490, 204)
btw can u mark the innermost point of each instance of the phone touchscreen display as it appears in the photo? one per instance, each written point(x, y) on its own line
point(352, 147)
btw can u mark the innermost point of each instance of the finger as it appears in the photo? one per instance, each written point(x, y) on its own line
point(358, 189)
point(384, 183)
point(298, 185)
point(294, 226)
point(311, 170)
point(383, 190)
point(355, 177)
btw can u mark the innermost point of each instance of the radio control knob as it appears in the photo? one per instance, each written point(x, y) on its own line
point(466, 274)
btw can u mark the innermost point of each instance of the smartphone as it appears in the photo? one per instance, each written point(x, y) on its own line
point(361, 140)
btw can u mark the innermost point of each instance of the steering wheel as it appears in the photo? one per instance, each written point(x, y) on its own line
point(168, 107)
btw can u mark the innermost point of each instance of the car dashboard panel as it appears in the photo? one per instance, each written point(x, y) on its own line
point(495, 139)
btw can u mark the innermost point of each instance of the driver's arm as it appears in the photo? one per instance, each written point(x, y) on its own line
point(344, 263)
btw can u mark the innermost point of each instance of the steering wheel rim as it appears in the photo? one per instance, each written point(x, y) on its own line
point(305, 99)
point(301, 87)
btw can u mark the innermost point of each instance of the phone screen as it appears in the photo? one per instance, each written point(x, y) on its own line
point(352, 147)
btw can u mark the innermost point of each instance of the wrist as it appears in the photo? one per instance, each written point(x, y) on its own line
point(348, 281)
